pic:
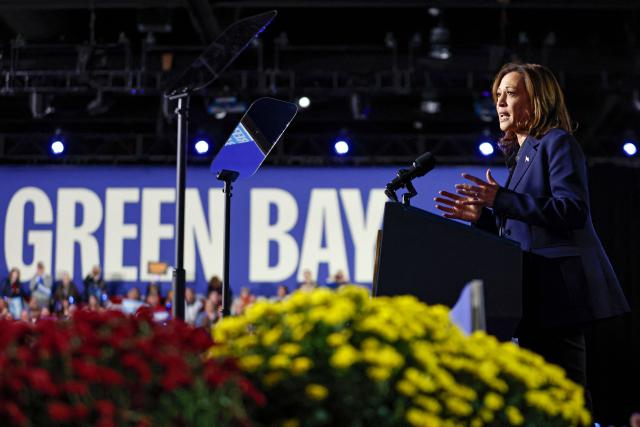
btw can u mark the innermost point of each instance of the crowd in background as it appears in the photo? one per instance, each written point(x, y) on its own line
point(40, 297)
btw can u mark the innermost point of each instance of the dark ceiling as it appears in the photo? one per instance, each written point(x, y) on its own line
point(95, 70)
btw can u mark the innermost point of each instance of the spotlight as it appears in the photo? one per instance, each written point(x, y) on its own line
point(202, 146)
point(486, 148)
point(341, 146)
point(57, 146)
point(630, 148)
point(430, 102)
point(430, 106)
point(439, 39)
point(304, 102)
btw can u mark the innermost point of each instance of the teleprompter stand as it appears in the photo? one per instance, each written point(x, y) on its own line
point(204, 70)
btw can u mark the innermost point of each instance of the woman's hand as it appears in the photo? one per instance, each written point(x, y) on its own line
point(456, 208)
point(483, 193)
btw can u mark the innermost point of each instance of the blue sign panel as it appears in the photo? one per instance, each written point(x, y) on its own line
point(284, 221)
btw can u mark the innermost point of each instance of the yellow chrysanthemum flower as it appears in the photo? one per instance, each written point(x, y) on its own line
point(279, 361)
point(395, 343)
point(514, 416)
point(337, 339)
point(251, 362)
point(344, 357)
point(493, 401)
point(300, 365)
point(378, 374)
point(290, 349)
point(316, 391)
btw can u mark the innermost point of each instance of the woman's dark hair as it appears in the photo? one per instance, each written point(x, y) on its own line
point(547, 105)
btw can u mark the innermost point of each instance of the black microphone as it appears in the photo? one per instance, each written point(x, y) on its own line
point(420, 167)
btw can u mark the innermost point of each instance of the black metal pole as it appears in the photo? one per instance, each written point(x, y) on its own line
point(226, 298)
point(179, 275)
point(228, 177)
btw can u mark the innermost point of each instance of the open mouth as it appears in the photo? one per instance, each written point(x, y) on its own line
point(504, 116)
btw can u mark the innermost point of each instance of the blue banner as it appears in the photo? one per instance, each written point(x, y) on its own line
point(284, 220)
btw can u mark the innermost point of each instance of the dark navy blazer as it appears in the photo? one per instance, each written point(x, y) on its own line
point(545, 208)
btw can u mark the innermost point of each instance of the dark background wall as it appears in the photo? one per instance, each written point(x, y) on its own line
point(614, 345)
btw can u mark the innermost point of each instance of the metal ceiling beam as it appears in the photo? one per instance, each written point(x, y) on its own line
point(41, 5)
point(422, 4)
point(7, 5)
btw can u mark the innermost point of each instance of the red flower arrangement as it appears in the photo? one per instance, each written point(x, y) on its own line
point(107, 369)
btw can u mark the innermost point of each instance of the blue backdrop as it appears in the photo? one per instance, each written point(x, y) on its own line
point(285, 220)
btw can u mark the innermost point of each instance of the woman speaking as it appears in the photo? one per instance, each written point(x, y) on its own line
point(544, 206)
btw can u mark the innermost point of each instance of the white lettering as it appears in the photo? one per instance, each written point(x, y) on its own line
point(14, 230)
point(262, 232)
point(323, 217)
point(209, 239)
point(116, 231)
point(364, 232)
point(153, 230)
point(68, 233)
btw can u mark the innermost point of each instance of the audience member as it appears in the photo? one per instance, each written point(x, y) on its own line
point(32, 311)
point(192, 306)
point(4, 310)
point(153, 288)
point(93, 304)
point(337, 280)
point(132, 302)
point(281, 294)
point(211, 313)
point(215, 284)
point(67, 291)
point(95, 285)
point(40, 286)
point(169, 301)
point(308, 284)
point(159, 311)
point(66, 309)
point(153, 300)
point(14, 294)
point(242, 302)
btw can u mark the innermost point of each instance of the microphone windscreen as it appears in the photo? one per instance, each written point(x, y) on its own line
point(424, 163)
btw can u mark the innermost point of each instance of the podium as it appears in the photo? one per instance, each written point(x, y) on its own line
point(433, 258)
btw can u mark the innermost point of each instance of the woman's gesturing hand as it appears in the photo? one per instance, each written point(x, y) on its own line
point(456, 207)
point(483, 193)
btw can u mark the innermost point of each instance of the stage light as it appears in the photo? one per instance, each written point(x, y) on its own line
point(630, 148)
point(57, 146)
point(341, 146)
point(439, 38)
point(486, 148)
point(304, 102)
point(202, 146)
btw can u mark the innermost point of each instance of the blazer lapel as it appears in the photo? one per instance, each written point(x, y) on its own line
point(529, 152)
